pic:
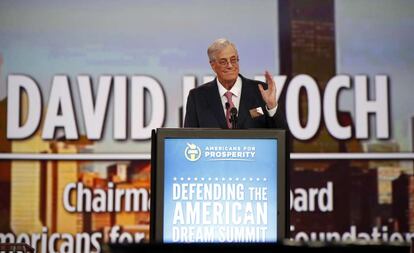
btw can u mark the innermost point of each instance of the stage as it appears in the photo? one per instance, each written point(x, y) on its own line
point(287, 246)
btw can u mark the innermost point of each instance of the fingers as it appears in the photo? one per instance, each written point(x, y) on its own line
point(261, 89)
point(269, 78)
point(269, 95)
point(271, 86)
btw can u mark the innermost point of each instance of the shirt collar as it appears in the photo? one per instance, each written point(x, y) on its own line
point(236, 89)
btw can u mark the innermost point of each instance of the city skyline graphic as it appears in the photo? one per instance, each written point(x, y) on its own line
point(322, 39)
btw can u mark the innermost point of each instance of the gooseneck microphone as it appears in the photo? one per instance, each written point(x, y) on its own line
point(233, 118)
point(233, 115)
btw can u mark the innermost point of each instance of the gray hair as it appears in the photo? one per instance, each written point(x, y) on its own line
point(217, 46)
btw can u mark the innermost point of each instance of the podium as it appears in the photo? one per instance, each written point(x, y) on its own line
point(16, 247)
point(218, 186)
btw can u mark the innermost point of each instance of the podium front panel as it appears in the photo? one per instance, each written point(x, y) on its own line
point(219, 186)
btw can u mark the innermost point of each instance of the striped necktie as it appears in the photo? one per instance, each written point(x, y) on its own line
point(228, 95)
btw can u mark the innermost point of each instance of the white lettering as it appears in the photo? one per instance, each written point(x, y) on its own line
point(330, 109)
point(293, 107)
point(94, 114)
point(60, 112)
point(32, 102)
point(139, 129)
point(364, 106)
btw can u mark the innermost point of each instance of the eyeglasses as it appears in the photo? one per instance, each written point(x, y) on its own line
point(225, 62)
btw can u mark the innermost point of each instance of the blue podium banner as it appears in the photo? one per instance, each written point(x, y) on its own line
point(220, 190)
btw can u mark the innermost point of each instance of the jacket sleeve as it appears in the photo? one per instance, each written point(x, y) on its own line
point(191, 119)
point(278, 120)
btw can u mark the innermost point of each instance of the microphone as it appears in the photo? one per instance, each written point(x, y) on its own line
point(233, 117)
point(227, 105)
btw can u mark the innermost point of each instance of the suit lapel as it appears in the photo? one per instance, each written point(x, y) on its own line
point(216, 105)
point(244, 99)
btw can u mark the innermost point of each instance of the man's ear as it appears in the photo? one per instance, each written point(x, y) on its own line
point(213, 66)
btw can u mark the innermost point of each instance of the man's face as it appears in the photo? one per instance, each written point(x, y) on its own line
point(226, 65)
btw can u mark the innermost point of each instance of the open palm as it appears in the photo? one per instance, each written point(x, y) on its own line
point(269, 95)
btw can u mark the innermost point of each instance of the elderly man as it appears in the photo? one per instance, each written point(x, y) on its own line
point(210, 105)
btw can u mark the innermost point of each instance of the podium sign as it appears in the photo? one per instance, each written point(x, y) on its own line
point(219, 186)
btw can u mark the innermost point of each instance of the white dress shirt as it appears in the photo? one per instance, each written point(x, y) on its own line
point(236, 91)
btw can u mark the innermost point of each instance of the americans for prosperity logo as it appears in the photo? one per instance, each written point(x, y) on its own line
point(192, 152)
point(219, 153)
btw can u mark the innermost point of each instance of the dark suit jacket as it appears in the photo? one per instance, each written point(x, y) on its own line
point(205, 109)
